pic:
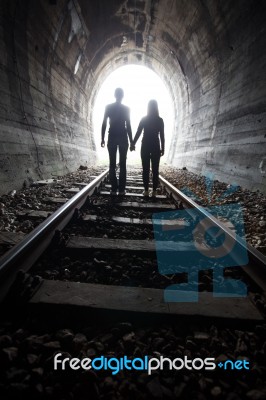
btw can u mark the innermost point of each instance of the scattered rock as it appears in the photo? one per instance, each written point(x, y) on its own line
point(256, 395)
point(10, 353)
point(155, 389)
point(216, 391)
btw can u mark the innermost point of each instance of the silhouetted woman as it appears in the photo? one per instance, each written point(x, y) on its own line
point(152, 147)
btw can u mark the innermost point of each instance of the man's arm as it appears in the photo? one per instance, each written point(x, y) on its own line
point(128, 124)
point(162, 138)
point(104, 126)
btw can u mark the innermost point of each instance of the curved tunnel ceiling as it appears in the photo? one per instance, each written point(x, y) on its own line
point(210, 54)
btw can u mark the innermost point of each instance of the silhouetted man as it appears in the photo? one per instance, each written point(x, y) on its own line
point(119, 130)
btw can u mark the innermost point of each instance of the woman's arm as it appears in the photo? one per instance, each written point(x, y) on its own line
point(138, 133)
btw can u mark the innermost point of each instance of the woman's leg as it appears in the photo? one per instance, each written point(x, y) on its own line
point(145, 157)
point(155, 161)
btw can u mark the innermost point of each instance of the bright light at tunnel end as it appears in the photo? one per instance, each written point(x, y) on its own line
point(140, 84)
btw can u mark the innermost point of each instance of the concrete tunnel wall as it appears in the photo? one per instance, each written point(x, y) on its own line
point(55, 54)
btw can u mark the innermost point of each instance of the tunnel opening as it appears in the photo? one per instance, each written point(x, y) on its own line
point(55, 57)
point(140, 84)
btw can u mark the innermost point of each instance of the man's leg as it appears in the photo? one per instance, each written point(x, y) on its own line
point(123, 166)
point(145, 158)
point(155, 161)
point(112, 165)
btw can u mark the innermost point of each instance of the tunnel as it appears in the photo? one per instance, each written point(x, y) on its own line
point(55, 54)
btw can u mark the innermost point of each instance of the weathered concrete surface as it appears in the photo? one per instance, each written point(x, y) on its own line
point(43, 106)
point(55, 55)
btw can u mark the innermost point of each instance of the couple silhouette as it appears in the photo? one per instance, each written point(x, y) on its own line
point(152, 147)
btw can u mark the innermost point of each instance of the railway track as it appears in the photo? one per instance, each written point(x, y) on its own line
point(98, 252)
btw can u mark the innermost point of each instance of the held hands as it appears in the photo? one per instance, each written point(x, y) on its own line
point(132, 147)
point(103, 143)
point(162, 152)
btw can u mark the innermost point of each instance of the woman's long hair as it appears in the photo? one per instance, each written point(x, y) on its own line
point(153, 110)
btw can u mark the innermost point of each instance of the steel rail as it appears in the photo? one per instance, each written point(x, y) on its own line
point(24, 254)
point(256, 267)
